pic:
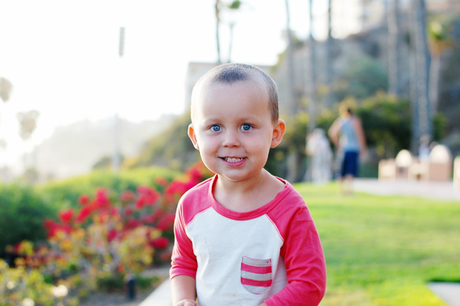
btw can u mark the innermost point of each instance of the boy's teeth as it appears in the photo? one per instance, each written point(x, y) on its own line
point(233, 160)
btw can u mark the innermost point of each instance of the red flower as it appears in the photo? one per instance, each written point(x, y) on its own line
point(102, 198)
point(66, 228)
point(139, 203)
point(83, 199)
point(158, 214)
point(161, 181)
point(194, 173)
point(127, 196)
point(164, 256)
point(128, 211)
point(147, 219)
point(112, 234)
point(114, 211)
point(66, 215)
point(174, 188)
point(160, 243)
point(133, 223)
point(51, 227)
point(120, 268)
point(148, 196)
point(166, 223)
point(84, 213)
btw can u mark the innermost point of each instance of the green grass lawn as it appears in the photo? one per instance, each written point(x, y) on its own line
point(384, 250)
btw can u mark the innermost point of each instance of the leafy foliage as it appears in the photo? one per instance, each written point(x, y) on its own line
point(363, 77)
point(65, 193)
point(387, 124)
point(101, 242)
point(22, 212)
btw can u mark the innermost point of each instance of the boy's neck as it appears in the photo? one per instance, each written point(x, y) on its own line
point(247, 195)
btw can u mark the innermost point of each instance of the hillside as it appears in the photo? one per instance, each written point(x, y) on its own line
point(73, 149)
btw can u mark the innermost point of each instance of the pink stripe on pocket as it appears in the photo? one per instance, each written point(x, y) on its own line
point(251, 282)
point(254, 269)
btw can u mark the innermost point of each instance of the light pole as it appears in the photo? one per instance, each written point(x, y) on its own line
point(117, 123)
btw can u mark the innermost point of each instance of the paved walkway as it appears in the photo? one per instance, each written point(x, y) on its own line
point(432, 190)
point(448, 292)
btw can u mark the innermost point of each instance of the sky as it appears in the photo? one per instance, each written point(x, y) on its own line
point(62, 56)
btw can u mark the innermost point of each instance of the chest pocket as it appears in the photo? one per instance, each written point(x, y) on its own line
point(256, 274)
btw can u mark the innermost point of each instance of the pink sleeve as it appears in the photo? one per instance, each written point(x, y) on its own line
point(183, 261)
point(305, 263)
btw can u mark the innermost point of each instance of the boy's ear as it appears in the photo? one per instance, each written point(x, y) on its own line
point(278, 133)
point(192, 136)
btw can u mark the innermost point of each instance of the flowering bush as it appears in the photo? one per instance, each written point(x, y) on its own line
point(23, 287)
point(107, 236)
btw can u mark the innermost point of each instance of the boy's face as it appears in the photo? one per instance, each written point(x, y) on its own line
point(233, 129)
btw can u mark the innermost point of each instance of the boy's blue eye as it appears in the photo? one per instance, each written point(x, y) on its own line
point(216, 128)
point(246, 127)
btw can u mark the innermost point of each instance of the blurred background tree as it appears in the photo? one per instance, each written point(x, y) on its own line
point(27, 124)
point(5, 89)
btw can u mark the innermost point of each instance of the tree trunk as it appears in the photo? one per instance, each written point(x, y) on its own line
point(394, 46)
point(217, 10)
point(311, 71)
point(435, 72)
point(230, 45)
point(292, 108)
point(422, 60)
point(329, 95)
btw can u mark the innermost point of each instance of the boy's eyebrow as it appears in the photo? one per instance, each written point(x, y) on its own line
point(247, 118)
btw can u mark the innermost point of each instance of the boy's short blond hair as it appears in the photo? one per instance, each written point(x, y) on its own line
point(233, 73)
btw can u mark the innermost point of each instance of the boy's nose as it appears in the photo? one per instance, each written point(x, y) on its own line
point(231, 139)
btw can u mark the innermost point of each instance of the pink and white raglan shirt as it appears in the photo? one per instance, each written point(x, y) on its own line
point(272, 254)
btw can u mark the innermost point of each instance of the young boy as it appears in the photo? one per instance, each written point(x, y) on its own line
point(243, 237)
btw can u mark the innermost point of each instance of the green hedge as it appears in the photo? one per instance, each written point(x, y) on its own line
point(23, 208)
point(65, 193)
point(22, 211)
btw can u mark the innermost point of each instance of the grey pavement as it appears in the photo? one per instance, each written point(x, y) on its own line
point(432, 190)
point(448, 292)
point(160, 297)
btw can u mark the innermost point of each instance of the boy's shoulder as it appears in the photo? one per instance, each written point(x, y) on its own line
point(291, 194)
point(195, 200)
point(199, 190)
point(289, 202)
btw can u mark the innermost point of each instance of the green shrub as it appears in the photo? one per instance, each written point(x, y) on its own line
point(22, 212)
point(65, 193)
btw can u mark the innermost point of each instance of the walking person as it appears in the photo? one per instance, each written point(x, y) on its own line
point(348, 136)
point(319, 150)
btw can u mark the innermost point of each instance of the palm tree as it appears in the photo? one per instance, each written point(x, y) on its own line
point(420, 72)
point(394, 46)
point(329, 96)
point(217, 11)
point(438, 42)
point(218, 7)
point(311, 70)
point(292, 109)
point(27, 123)
point(5, 91)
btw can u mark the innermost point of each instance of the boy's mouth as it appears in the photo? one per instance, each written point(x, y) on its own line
point(232, 159)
